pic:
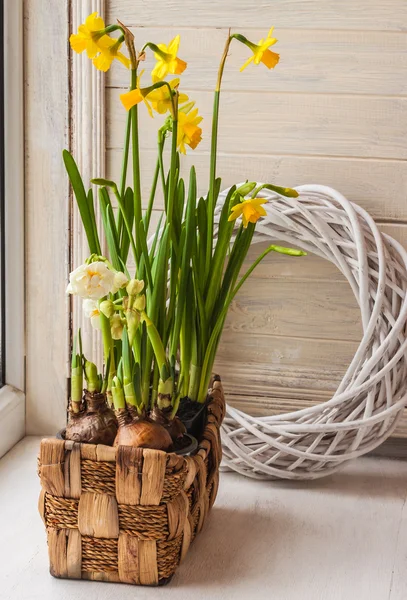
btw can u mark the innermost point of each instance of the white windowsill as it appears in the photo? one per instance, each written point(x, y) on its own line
point(12, 417)
point(338, 538)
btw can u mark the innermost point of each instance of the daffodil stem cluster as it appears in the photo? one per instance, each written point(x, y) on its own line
point(161, 324)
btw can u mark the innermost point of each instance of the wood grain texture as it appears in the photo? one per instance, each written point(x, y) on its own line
point(378, 186)
point(324, 14)
point(306, 124)
point(311, 61)
point(334, 113)
point(47, 213)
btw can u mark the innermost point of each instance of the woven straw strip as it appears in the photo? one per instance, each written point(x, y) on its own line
point(195, 520)
point(173, 484)
point(61, 513)
point(144, 522)
point(98, 477)
point(168, 557)
point(209, 490)
point(99, 554)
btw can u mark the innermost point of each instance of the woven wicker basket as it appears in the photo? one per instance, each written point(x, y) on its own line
point(126, 514)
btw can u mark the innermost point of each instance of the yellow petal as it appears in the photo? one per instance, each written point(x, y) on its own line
point(262, 211)
point(123, 59)
point(270, 32)
point(92, 49)
point(174, 45)
point(94, 23)
point(78, 43)
point(159, 72)
point(248, 61)
point(258, 201)
point(130, 99)
point(103, 62)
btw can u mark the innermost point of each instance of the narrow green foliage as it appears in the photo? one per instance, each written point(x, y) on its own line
point(87, 216)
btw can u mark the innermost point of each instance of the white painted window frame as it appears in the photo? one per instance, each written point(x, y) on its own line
point(12, 396)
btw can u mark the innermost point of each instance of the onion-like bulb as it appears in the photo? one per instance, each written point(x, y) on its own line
point(174, 426)
point(142, 433)
point(97, 424)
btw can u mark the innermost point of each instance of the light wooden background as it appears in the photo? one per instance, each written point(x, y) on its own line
point(334, 112)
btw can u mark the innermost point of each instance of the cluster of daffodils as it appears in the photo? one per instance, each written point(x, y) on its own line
point(162, 324)
point(97, 283)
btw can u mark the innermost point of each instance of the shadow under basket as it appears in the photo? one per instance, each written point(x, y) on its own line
point(127, 515)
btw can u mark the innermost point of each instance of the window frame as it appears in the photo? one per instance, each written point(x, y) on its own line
point(12, 397)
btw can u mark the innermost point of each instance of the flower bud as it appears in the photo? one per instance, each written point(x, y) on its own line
point(246, 188)
point(92, 378)
point(116, 327)
point(120, 281)
point(107, 308)
point(134, 287)
point(140, 303)
point(133, 320)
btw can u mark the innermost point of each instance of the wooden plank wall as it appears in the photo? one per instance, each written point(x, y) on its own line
point(333, 112)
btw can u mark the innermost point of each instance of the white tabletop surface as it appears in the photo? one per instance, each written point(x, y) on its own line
point(340, 538)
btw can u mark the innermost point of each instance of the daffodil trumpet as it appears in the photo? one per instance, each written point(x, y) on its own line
point(162, 318)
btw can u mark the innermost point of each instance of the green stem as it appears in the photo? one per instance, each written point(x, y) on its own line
point(136, 162)
point(125, 156)
point(127, 225)
point(212, 172)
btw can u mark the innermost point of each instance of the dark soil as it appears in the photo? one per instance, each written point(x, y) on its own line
point(188, 409)
point(184, 442)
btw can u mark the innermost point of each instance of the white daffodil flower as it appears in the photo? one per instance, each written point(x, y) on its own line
point(93, 281)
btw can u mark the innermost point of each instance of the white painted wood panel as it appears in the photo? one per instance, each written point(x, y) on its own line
point(310, 60)
point(270, 123)
point(380, 186)
point(334, 112)
point(47, 213)
point(310, 14)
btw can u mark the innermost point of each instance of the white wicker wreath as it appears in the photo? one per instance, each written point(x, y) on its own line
point(370, 399)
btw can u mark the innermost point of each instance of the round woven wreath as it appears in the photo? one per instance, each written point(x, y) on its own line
point(365, 409)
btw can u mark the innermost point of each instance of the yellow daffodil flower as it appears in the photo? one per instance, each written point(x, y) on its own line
point(188, 131)
point(130, 99)
point(167, 60)
point(87, 37)
point(261, 52)
point(250, 211)
point(109, 51)
point(160, 98)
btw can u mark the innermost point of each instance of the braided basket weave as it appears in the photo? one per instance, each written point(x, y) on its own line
point(127, 514)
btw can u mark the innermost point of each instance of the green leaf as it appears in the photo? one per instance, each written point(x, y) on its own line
point(222, 245)
point(91, 207)
point(109, 227)
point(89, 224)
point(144, 253)
point(190, 227)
